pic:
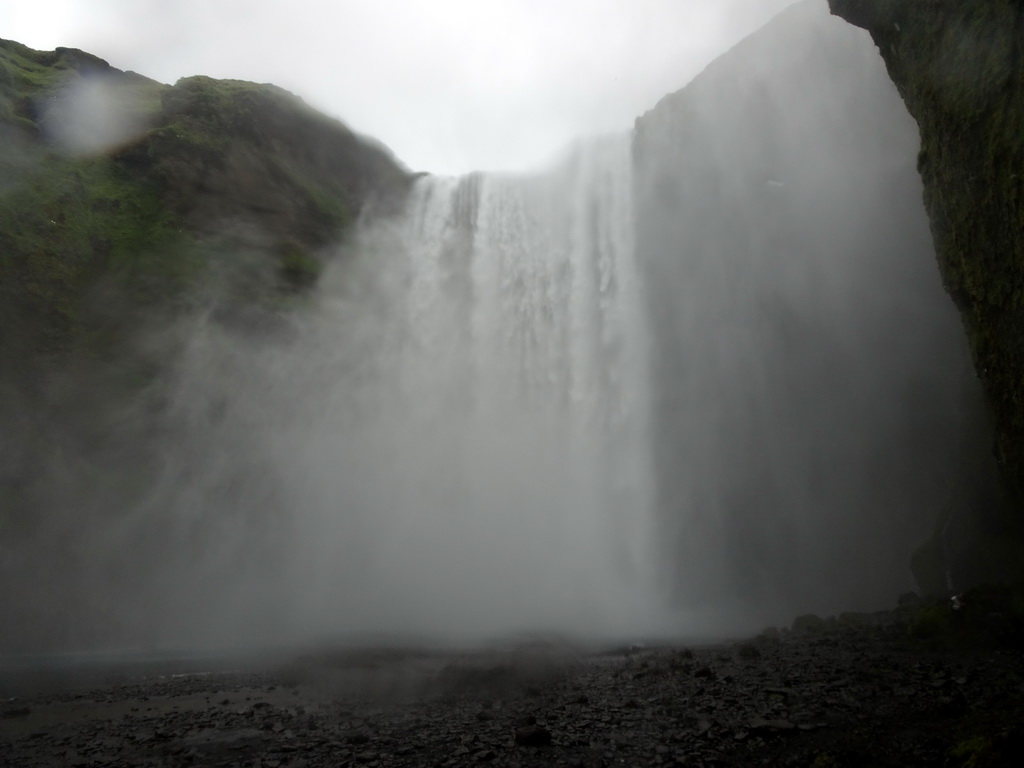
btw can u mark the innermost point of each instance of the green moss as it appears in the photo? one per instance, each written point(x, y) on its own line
point(29, 78)
point(237, 107)
point(298, 268)
point(73, 222)
point(331, 208)
point(975, 752)
point(930, 622)
point(89, 244)
point(26, 71)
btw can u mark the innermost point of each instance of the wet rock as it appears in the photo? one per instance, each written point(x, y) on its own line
point(592, 758)
point(533, 736)
point(749, 652)
point(745, 714)
point(762, 725)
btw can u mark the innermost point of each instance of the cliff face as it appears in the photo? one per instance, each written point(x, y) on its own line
point(959, 66)
point(129, 209)
point(811, 378)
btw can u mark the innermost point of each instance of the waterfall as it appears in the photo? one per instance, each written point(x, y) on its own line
point(690, 380)
point(453, 440)
point(507, 483)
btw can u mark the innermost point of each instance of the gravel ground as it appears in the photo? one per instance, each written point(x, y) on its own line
point(828, 695)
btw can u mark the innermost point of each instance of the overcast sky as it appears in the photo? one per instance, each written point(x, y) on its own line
point(449, 85)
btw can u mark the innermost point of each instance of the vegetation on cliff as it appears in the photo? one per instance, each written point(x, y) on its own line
point(116, 190)
point(959, 67)
point(127, 205)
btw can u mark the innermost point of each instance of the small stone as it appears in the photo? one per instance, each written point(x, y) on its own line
point(760, 724)
point(749, 652)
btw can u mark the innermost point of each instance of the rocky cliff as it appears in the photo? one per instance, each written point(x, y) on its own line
point(128, 209)
point(812, 383)
point(959, 66)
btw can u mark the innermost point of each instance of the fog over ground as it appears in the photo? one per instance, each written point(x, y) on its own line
point(450, 86)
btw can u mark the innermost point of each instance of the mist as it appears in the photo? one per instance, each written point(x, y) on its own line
point(430, 449)
point(811, 370)
point(689, 380)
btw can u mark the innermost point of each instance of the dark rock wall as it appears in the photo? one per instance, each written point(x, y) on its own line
point(809, 368)
point(959, 66)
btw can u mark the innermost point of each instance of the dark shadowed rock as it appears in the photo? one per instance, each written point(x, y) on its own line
point(533, 736)
point(807, 364)
point(959, 66)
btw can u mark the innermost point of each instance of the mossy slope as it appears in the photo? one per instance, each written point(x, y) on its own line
point(234, 174)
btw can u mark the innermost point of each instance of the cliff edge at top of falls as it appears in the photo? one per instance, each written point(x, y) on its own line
point(959, 66)
point(119, 190)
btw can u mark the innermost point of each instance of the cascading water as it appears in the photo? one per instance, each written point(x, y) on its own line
point(504, 423)
point(523, 371)
point(455, 441)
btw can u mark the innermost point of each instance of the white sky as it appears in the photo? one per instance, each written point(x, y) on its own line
point(449, 85)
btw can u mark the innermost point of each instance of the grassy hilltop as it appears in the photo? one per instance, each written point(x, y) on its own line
point(116, 190)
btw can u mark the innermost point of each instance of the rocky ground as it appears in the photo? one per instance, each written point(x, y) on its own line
point(882, 690)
